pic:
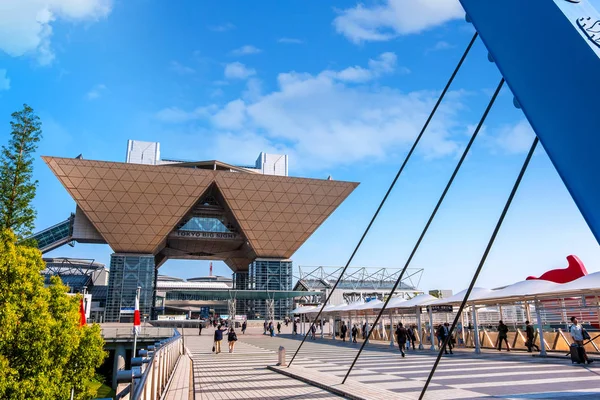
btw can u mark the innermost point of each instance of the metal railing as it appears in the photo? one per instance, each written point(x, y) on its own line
point(150, 372)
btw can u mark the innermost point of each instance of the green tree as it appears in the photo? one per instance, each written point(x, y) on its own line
point(17, 187)
point(44, 353)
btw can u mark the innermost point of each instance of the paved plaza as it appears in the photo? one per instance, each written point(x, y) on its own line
point(460, 376)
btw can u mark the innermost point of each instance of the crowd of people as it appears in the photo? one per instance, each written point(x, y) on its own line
point(405, 336)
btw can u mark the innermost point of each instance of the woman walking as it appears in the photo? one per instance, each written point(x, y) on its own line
point(231, 339)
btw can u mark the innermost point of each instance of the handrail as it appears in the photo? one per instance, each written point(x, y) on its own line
point(139, 387)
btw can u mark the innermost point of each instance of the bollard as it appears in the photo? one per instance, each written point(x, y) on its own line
point(281, 352)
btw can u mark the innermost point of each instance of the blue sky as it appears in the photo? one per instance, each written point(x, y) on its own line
point(342, 88)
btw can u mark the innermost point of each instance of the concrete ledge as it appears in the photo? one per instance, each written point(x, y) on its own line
point(350, 390)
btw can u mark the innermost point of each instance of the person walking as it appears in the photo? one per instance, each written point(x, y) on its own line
point(313, 331)
point(199, 327)
point(401, 336)
point(231, 339)
point(447, 336)
point(218, 338)
point(271, 329)
point(354, 333)
point(294, 328)
point(530, 334)
point(502, 335)
point(411, 336)
point(244, 326)
point(266, 326)
point(278, 327)
point(579, 335)
point(364, 331)
point(343, 330)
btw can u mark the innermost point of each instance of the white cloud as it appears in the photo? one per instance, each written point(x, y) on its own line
point(26, 25)
point(324, 120)
point(237, 70)
point(96, 92)
point(290, 40)
point(181, 69)
point(246, 50)
point(382, 65)
point(222, 28)
point(441, 45)
point(515, 138)
point(4, 81)
point(392, 18)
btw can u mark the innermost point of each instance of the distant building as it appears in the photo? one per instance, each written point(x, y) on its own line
point(365, 283)
point(441, 293)
point(139, 152)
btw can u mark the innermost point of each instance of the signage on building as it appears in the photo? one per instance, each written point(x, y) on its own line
point(204, 312)
point(127, 310)
point(205, 235)
point(441, 309)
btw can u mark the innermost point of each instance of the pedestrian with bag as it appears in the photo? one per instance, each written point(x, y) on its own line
point(231, 339)
point(447, 336)
point(530, 334)
point(502, 336)
point(578, 353)
point(401, 336)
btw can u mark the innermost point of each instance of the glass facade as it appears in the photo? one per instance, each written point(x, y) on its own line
point(205, 224)
point(127, 272)
point(265, 274)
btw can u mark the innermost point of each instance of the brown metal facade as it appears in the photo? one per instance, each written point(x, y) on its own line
point(135, 207)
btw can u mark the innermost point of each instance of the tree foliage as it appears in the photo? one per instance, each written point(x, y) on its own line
point(17, 187)
point(43, 350)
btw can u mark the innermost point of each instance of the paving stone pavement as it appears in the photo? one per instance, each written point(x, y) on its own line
point(459, 376)
point(243, 375)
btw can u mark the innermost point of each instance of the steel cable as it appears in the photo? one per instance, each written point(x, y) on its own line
point(431, 218)
point(408, 156)
point(481, 263)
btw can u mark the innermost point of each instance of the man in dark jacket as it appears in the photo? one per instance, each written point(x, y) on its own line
point(502, 336)
point(218, 338)
point(530, 333)
point(343, 331)
point(354, 333)
point(401, 336)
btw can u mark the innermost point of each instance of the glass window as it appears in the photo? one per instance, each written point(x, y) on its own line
point(205, 224)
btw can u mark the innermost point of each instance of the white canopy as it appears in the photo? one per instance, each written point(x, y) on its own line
point(369, 305)
point(394, 302)
point(420, 300)
point(350, 307)
point(458, 297)
point(588, 282)
point(302, 309)
point(519, 290)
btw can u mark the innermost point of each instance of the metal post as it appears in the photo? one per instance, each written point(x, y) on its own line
point(462, 325)
point(391, 330)
point(135, 332)
point(321, 323)
point(475, 330)
point(431, 329)
point(419, 328)
point(538, 315)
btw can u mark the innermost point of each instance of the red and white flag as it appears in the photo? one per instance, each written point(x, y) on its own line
point(136, 316)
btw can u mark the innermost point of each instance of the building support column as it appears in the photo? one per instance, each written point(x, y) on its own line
point(475, 330)
point(538, 315)
point(391, 329)
point(321, 323)
point(431, 329)
point(419, 329)
point(118, 363)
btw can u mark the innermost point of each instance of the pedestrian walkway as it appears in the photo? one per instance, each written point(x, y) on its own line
point(243, 374)
point(464, 375)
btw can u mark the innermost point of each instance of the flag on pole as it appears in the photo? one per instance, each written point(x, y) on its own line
point(82, 320)
point(136, 315)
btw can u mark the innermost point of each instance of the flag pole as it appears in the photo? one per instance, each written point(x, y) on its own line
point(136, 319)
